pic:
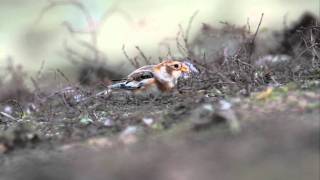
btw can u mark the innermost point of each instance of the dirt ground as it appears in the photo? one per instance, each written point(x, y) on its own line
point(189, 137)
point(252, 113)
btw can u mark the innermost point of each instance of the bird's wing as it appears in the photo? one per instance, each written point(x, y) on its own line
point(127, 85)
point(136, 79)
point(140, 75)
point(141, 70)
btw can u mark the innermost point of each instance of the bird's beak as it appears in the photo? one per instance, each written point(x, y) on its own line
point(185, 69)
point(191, 68)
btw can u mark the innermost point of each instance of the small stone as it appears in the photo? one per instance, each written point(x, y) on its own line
point(202, 92)
point(31, 107)
point(8, 109)
point(311, 94)
point(3, 148)
point(129, 130)
point(205, 117)
point(236, 100)
point(231, 119)
point(208, 107)
point(201, 116)
point(225, 105)
point(292, 99)
point(148, 121)
point(243, 92)
point(100, 142)
point(128, 136)
point(70, 147)
point(302, 103)
point(78, 97)
point(86, 121)
point(107, 122)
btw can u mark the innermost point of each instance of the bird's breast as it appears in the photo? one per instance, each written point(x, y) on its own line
point(164, 86)
point(149, 88)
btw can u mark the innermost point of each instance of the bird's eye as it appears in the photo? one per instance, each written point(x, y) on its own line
point(176, 66)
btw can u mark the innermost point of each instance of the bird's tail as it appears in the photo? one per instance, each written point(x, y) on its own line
point(121, 85)
point(109, 89)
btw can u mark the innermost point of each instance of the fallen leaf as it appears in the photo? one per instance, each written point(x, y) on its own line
point(264, 94)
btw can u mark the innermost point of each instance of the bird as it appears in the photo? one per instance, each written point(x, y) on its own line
point(156, 79)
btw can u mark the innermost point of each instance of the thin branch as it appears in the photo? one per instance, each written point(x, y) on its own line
point(180, 47)
point(146, 60)
point(248, 25)
point(133, 62)
point(187, 33)
point(63, 75)
point(8, 116)
point(257, 30)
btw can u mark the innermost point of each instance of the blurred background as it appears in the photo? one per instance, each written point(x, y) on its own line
point(33, 31)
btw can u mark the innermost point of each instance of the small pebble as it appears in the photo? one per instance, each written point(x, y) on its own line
point(148, 121)
point(8, 109)
point(107, 121)
point(128, 136)
point(225, 105)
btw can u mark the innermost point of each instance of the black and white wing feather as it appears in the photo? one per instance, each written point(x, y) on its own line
point(136, 79)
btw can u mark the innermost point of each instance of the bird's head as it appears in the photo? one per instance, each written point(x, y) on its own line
point(176, 69)
point(169, 71)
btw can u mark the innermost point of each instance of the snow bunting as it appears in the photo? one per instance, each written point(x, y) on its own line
point(156, 79)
